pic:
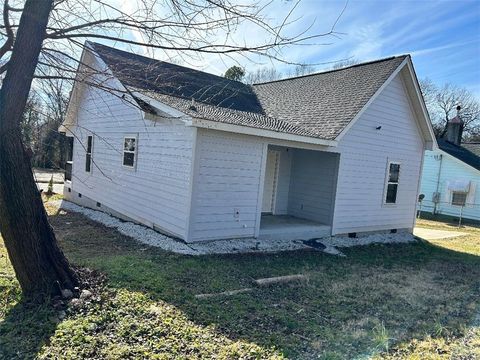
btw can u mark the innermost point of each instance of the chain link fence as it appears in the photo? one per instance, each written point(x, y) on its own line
point(467, 212)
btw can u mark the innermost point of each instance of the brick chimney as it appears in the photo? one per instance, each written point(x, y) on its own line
point(455, 129)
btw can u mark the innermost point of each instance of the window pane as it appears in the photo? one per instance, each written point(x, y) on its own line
point(391, 193)
point(89, 144)
point(128, 159)
point(129, 144)
point(88, 162)
point(459, 198)
point(394, 172)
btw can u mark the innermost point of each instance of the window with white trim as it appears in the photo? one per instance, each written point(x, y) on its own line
point(459, 198)
point(88, 155)
point(393, 177)
point(129, 151)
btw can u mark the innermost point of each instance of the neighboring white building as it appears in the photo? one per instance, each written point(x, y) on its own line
point(200, 157)
point(451, 176)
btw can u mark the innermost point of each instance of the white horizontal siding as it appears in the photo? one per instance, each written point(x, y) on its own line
point(365, 152)
point(283, 181)
point(452, 169)
point(157, 192)
point(227, 177)
point(312, 185)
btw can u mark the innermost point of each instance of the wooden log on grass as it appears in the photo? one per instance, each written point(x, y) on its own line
point(279, 279)
point(224, 293)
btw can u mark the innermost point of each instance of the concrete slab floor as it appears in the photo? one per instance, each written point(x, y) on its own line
point(276, 227)
point(279, 221)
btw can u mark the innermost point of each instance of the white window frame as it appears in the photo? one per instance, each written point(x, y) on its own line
point(135, 153)
point(89, 153)
point(458, 192)
point(387, 182)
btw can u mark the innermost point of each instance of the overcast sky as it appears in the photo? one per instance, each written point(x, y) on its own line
point(443, 37)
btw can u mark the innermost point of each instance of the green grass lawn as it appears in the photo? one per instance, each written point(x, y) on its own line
point(398, 301)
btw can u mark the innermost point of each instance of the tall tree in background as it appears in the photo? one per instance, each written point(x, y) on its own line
point(442, 102)
point(42, 40)
point(31, 122)
point(266, 74)
point(261, 75)
point(51, 148)
point(44, 113)
point(235, 73)
point(344, 63)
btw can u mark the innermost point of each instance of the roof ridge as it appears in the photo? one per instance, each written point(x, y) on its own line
point(334, 70)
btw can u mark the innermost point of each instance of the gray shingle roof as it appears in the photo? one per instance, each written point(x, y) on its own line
point(318, 105)
point(228, 116)
point(462, 153)
point(170, 79)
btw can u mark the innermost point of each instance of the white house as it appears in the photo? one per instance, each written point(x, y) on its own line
point(200, 157)
point(451, 176)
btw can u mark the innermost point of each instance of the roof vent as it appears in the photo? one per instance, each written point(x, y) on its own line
point(192, 106)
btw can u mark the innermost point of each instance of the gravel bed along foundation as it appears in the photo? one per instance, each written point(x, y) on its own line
point(151, 237)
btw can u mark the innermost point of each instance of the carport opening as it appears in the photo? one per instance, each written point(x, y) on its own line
point(298, 192)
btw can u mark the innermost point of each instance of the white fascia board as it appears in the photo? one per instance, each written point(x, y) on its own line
point(71, 106)
point(431, 142)
point(431, 145)
point(365, 107)
point(164, 110)
point(246, 130)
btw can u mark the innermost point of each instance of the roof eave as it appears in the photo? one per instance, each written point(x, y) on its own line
point(163, 109)
point(430, 139)
point(248, 130)
point(71, 105)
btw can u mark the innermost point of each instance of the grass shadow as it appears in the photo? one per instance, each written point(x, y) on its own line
point(24, 325)
point(25, 329)
point(408, 289)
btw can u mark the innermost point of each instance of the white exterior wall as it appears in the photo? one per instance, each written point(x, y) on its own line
point(157, 192)
point(365, 152)
point(312, 185)
point(203, 184)
point(452, 169)
point(228, 171)
point(229, 176)
point(283, 181)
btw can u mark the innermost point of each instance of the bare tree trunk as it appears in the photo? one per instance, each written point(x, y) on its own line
point(39, 263)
